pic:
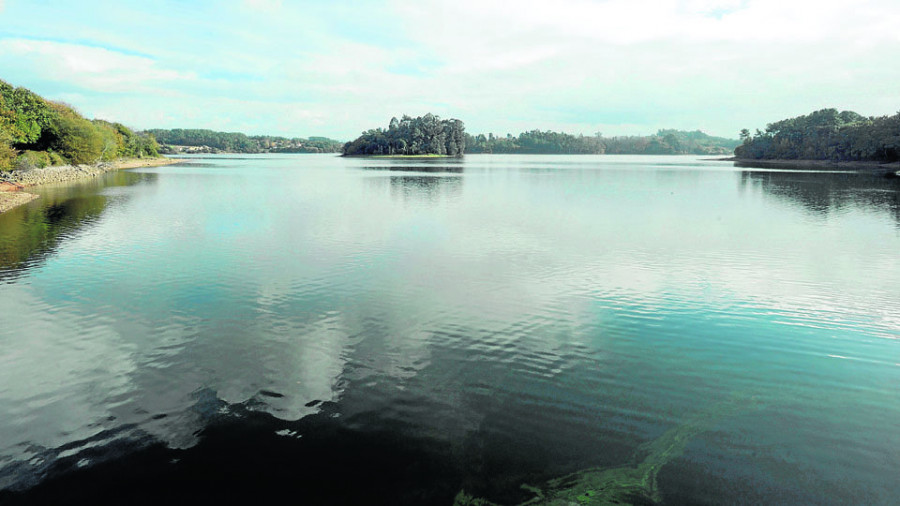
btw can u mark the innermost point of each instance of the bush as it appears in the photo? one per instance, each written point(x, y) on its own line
point(30, 160)
point(7, 156)
point(76, 138)
point(56, 159)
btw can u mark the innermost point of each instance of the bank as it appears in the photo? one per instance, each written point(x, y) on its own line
point(12, 183)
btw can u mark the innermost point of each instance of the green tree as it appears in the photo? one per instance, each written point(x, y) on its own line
point(75, 137)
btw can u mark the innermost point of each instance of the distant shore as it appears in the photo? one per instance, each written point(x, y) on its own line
point(11, 183)
point(812, 164)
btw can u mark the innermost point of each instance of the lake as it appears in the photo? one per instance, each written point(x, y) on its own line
point(388, 331)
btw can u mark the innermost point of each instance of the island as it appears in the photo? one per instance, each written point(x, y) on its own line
point(423, 136)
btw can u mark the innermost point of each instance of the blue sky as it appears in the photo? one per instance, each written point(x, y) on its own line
point(336, 68)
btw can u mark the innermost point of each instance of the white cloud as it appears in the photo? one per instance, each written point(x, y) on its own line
point(619, 66)
point(94, 68)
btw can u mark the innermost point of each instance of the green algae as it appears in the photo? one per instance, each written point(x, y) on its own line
point(634, 483)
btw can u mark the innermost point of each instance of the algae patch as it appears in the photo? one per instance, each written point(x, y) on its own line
point(634, 483)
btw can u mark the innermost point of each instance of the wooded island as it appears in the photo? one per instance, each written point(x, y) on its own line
point(420, 136)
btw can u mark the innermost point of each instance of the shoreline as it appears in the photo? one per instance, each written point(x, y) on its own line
point(11, 195)
point(780, 163)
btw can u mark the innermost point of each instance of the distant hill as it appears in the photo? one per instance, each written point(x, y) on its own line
point(35, 133)
point(665, 142)
point(825, 135)
point(209, 141)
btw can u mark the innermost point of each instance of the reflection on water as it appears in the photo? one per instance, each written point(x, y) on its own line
point(427, 188)
point(33, 231)
point(304, 325)
point(829, 193)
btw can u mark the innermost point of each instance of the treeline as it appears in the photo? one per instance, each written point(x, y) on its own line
point(234, 142)
point(665, 142)
point(825, 135)
point(35, 133)
point(424, 135)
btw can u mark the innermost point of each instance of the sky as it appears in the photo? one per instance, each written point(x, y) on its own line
point(302, 68)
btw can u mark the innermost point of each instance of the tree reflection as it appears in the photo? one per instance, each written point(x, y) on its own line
point(824, 193)
point(32, 232)
point(425, 188)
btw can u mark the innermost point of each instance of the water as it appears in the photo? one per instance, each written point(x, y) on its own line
point(396, 331)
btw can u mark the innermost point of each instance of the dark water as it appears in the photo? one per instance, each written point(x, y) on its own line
point(392, 332)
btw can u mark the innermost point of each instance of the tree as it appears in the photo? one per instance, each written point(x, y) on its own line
point(826, 135)
point(75, 137)
point(428, 134)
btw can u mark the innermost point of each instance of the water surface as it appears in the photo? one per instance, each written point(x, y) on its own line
point(395, 331)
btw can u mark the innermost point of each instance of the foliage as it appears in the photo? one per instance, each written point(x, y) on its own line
point(826, 135)
point(36, 133)
point(665, 142)
point(7, 156)
point(240, 143)
point(30, 114)
point(28, 160)
point(424, 135)
point(77, 139)
point(7, 153)
point(225, 141)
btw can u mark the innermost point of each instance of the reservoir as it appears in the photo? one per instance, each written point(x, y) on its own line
point(401, 331)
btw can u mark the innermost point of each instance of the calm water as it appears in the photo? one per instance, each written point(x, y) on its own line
point(384, 331)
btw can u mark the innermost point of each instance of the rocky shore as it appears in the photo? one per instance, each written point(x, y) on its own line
point(9, 200)
point(12, 182)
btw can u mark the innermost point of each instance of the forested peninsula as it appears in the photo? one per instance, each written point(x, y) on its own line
point(193, 140)
point(827, 136)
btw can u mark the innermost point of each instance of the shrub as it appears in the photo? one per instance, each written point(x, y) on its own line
point(76, 138)
point(7, 156)
point(56, 159)
point(30, 160)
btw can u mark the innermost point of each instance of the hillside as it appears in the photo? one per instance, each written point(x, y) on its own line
point(35, 133)
point(193, 140)
point(665, 142)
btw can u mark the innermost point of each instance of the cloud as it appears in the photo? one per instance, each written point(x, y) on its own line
point(86, 67)
point(619, 66)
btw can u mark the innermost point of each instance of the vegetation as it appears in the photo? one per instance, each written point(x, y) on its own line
point(665, 142)
point(35, 133)
point(424, 135)
point(209, 141)
point(826, 135)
